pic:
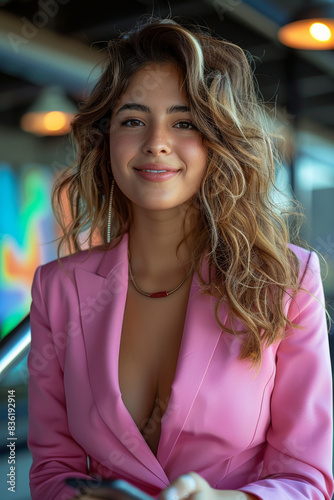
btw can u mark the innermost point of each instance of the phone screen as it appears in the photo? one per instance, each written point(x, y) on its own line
point(117, 489)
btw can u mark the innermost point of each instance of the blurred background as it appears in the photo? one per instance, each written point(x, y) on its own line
point(48, 49)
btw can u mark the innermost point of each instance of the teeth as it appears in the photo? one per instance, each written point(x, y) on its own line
point(154, 171)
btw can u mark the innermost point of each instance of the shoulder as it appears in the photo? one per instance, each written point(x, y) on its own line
point(56, 279)
point(310, 295)
point(309, 265)
point(60, 273)
point(65, 266)
point(301, 253)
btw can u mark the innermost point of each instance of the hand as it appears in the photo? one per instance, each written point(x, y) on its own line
point(195, 487)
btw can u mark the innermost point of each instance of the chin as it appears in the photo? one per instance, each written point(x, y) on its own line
point(159, 205)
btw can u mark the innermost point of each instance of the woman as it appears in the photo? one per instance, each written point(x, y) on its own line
point(188, 353)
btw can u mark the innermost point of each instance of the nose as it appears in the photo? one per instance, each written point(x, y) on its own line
point(157, 141)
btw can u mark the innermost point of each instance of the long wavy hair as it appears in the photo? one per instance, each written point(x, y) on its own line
point(239, 230)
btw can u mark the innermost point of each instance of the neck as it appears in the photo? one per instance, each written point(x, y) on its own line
point(153, 240)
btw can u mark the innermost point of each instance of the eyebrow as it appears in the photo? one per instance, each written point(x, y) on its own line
point(141, 107)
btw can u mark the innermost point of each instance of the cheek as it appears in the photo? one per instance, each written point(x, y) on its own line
point(120, 147)
point(195, 155)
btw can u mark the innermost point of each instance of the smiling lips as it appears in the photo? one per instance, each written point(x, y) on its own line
point(156, 172)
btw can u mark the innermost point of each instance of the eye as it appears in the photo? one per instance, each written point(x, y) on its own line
point(184, 125)
point(131, 122)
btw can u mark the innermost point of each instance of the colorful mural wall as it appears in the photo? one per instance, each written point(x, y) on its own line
point(26, 234)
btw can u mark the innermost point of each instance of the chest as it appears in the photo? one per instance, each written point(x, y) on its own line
point(150, 343)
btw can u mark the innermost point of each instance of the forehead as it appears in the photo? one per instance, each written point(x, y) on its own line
point(155, 80)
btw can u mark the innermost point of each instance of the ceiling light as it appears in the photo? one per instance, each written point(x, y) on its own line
point(312, 28)
point(51, 114)
point(320, 32)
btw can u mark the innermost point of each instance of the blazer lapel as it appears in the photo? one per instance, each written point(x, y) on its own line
point(102, 298)
point(201, 334)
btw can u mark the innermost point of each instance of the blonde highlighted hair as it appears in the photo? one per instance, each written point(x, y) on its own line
point(239, 229)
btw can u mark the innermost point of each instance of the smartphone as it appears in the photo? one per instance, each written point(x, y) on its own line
point(114, 489)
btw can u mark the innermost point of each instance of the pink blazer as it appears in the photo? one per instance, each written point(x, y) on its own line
point(268, 434)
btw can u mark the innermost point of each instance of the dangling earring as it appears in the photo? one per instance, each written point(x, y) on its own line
point(110, 211)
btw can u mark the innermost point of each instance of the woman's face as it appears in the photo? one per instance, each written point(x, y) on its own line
point(157, 156)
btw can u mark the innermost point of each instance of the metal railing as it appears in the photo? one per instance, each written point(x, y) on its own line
point(15, 346)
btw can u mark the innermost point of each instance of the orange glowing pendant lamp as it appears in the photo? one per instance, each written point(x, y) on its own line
point(51, 114)
point(311, 29)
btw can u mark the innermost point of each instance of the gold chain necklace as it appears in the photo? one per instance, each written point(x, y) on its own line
point(155, 295)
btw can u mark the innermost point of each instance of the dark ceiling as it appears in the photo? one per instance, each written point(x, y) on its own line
point(302, 83)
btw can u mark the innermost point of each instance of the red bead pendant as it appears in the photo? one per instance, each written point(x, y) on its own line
point(156, 295)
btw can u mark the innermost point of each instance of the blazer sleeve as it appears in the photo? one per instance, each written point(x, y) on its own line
point(56, 455)
point(298, 454)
